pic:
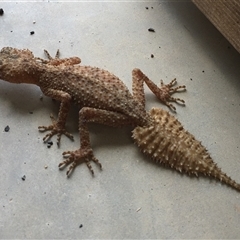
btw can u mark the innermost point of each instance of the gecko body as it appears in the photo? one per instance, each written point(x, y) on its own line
point(104, 98)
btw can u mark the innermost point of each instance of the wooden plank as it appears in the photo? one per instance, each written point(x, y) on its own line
point(225, 15)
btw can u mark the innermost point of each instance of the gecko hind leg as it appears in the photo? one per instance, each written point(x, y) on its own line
point(85, 153)
point(163, 93)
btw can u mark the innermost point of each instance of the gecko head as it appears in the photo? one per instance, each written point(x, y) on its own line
point(14, 64)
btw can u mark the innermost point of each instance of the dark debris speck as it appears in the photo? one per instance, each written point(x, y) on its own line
point(32, 32)
point(152, 56)
point(6, 129)
point(1, 12)
point(49, 144)
point(24, 177)
point(80, 226)
point(151, 30)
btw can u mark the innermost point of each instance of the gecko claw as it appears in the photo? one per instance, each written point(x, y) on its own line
point(77, 157)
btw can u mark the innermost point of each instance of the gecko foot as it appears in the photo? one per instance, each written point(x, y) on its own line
point(77, 157)
point(55, 128)
point(165, 92)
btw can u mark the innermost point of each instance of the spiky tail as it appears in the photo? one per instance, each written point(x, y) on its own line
point(168, 143)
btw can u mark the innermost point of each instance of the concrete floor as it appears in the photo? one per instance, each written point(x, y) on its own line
point(132, 197)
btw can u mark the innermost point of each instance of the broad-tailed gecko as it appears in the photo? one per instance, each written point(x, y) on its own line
point(103, 98)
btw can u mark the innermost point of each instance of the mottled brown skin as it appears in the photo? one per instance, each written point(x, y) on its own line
point(101, 96)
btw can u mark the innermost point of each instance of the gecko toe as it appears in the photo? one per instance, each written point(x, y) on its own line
point(55, 129)
point(165, 91)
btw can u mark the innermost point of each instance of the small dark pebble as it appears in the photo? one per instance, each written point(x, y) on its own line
point(80, 226)
point(152, 56)
point(32, 32)
point(31, 112)
point(203, 71)
point(146, 7)
point(1, 12)
point(151, 30)
point(24, 177)
point(7, 128)
point(191, 79)
point(49, 144)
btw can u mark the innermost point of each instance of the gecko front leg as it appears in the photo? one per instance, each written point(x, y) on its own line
point(58, 126)
point(85, 153)
point(56, 61)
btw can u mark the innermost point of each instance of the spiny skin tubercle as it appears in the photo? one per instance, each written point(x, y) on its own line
point(168, 143)
point(111, 104)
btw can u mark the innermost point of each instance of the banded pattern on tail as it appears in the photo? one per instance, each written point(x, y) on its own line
point(167, 142)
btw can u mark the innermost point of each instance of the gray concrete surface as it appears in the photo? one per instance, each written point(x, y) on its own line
point(132, 197)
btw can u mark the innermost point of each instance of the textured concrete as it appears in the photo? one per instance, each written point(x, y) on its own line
point(132, 197)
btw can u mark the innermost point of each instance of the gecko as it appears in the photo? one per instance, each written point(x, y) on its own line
point(103, 98)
